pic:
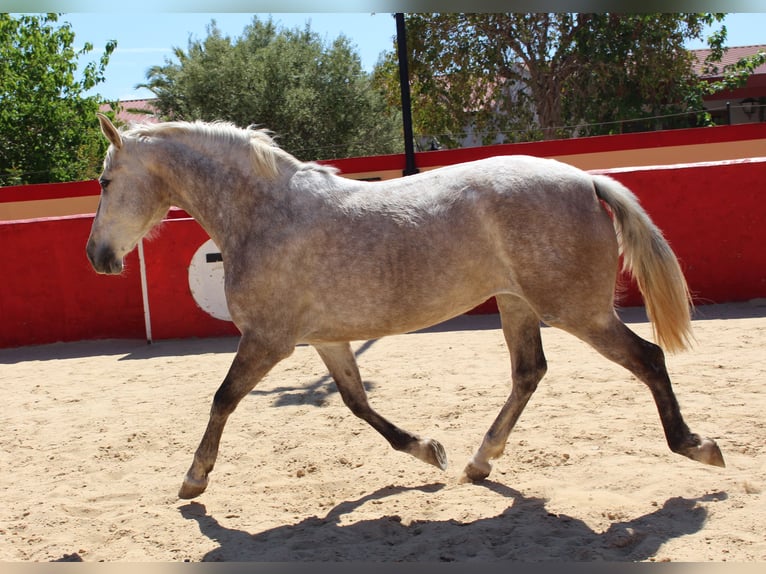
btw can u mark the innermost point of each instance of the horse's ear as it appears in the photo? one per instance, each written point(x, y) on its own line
point(108, 129)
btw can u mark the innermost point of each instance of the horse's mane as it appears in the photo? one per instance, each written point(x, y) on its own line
point(265, 154)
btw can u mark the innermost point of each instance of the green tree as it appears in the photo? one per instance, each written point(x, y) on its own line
point(48, 131)
point(636, 66)
point(315, 97)
point(546, 75)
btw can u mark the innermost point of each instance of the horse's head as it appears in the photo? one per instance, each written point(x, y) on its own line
point(132, 201)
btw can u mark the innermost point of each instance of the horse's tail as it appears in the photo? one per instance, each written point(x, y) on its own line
point(648, 257)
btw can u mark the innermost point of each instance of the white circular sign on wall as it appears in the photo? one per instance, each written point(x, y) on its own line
point(206, 280)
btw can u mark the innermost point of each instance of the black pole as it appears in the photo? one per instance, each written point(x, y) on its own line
point(404, 82)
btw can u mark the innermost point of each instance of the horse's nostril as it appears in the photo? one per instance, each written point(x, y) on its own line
point(103, 259)
point(90, 252)
point(115, 266)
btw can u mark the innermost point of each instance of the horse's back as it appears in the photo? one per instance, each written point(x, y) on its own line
point(551, 241)
point(514, 182)
point(420, 249)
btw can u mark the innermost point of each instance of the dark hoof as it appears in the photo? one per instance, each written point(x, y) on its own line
point(476, 471)
point(706, 452)
point(191, 488)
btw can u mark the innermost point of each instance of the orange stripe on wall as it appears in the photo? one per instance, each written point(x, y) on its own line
point(665, 155)
point(63, 207)
point(668, 155)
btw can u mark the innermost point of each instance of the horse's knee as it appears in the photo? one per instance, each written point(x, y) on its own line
point(527, 377)
point(226, 398)
point(541, 367)
point(253, 360)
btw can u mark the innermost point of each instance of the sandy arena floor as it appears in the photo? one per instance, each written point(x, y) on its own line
point(98, 435)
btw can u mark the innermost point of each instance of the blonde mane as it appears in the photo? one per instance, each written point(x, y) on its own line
point(265, 155)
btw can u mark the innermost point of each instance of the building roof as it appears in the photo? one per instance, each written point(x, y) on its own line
point(134, 111)
point(731, 56)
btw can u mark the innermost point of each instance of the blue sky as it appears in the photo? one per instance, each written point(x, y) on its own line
point(146, 39)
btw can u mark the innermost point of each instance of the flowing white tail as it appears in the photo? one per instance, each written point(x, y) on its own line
point(648, 257)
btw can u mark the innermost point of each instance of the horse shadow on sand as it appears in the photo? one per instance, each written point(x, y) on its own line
point(524, 532)
point(317, 392)
point(313, 393)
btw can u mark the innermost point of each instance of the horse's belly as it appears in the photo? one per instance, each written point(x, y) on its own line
point(369, 314)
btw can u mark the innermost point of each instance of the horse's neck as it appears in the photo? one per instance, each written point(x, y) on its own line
point(226, 201)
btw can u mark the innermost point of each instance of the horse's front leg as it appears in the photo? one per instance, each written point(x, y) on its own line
point(341, 362)
point(253, 360)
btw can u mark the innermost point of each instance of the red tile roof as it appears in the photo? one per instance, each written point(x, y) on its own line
point(134, 111)
point(731, 56)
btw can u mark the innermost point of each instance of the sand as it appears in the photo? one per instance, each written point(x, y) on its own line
point(98, 435)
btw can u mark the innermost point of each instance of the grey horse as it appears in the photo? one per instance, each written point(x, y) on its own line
point(312, 257)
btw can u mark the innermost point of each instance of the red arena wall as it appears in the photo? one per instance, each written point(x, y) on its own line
point(712, 214)
point(50, 293)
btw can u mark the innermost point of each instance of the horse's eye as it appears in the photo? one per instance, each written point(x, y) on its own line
point(104, 182)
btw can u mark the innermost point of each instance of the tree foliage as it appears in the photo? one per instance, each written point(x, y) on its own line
point(636, 66)
point(315, 97)
point(48, 131)
point(545, 75)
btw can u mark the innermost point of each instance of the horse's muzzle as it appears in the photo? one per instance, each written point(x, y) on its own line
point(103, 259)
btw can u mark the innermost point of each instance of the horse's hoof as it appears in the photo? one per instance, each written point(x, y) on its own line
point(438, 455)
point(191, 488)
point(428, 450)
point(706, 452)
point(476, 471)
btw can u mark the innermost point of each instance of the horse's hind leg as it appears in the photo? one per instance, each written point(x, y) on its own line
point(252, 361)
point(521, 328)
point(341, 362)
point(613, 339)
